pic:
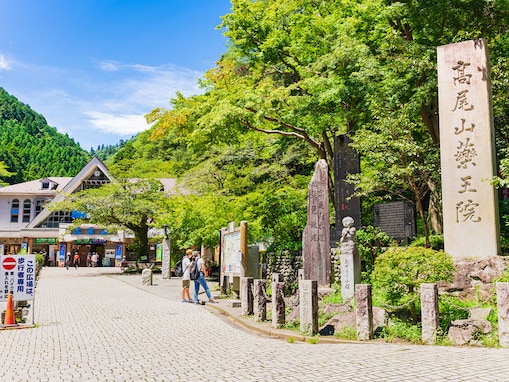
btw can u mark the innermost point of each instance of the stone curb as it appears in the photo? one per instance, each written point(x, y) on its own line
point(276, 333)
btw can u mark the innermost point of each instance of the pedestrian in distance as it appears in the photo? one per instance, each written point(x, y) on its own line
point(186, 277)
point(76, 260)
point(201, 279)
point(67, 260)
point(89, 259)
point(123, 263)
point(95, 257)
point(46, 258)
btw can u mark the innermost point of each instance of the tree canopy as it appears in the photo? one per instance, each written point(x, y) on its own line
point(308, 70)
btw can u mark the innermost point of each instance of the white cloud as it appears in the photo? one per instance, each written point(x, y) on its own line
point(4, 65)
point(117, 124)
point(108, 66)
point(99, 106)
point(119, 104)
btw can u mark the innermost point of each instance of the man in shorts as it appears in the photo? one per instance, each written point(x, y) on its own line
point(186, 278)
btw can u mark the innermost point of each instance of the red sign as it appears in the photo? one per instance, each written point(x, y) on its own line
point(9, 263)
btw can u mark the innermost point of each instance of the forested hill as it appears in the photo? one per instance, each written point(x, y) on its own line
point(30, 148)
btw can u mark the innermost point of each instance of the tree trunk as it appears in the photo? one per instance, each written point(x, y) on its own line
point(434, 210)
point(420, 211)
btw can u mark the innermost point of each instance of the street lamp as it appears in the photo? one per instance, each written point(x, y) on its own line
point(165, 227)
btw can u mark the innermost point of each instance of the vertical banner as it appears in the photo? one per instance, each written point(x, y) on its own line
point(61, 252)
point(159, 252)
point(17, 277)
point(467, 150)
point(118, 252)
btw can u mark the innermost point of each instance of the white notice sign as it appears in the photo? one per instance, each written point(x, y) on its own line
point(17, 276)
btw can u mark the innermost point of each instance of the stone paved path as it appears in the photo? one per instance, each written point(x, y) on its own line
point(94, 326)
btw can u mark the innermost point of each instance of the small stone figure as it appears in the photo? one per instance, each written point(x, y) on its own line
point(348, 233)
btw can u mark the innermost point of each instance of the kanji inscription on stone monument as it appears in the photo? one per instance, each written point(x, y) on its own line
point(470, 205)
point(315, 239)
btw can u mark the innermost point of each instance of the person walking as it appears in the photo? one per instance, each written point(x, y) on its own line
point(201, 279)
point(89, 259)
point(67, 260)
point(76, 260)
point(95, 257)
point(186, 277)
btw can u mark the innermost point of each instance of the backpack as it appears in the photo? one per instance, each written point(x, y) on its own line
point(194, 272)
point(177, 269)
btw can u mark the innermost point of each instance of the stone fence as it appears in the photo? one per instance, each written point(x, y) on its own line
point(254, 300)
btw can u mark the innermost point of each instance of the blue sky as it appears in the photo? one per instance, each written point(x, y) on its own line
point(94, 68)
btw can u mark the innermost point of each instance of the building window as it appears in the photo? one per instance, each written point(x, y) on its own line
point(45, 185)
point(54, 220)
point(38, 206)
point(15, 211)
point(27, 205)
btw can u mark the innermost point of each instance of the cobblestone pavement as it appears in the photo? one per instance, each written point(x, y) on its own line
point(93, 325)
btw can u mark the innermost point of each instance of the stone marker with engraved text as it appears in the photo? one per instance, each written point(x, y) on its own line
point(315, 239)
point(470, 205)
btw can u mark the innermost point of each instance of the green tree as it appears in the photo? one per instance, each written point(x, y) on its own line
point(4, 173)
point(124, 204)
point(258, 180)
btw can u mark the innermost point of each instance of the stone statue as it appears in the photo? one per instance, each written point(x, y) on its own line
point(348, 233)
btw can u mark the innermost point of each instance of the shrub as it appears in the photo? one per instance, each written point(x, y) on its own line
point(398, 273)
point(398, 330)
point(436, 242)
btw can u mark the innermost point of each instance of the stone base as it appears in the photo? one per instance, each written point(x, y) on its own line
point(234, 303)
point(463, 332)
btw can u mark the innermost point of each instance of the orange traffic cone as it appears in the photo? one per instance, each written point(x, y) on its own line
point(9, 312)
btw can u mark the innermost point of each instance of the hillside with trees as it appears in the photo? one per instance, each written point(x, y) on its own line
point(30, 149)
point(104, 152)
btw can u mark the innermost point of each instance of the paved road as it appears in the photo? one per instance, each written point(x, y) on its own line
point(95, 326)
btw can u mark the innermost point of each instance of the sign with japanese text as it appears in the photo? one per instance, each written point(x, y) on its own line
point(45, 240)
point(17, 276)
point(470, 205)
point(316, 235)
point(232, 256)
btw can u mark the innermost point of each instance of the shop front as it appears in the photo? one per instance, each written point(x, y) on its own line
point(89, 240)
point(46, 247)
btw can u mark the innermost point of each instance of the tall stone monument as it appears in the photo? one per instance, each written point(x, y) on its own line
point(315, 239)
point(346, 162)
point(470, 205)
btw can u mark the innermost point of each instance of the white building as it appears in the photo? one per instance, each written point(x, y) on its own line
point(26, 225)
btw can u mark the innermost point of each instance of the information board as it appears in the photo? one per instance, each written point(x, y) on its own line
point(232, 254)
